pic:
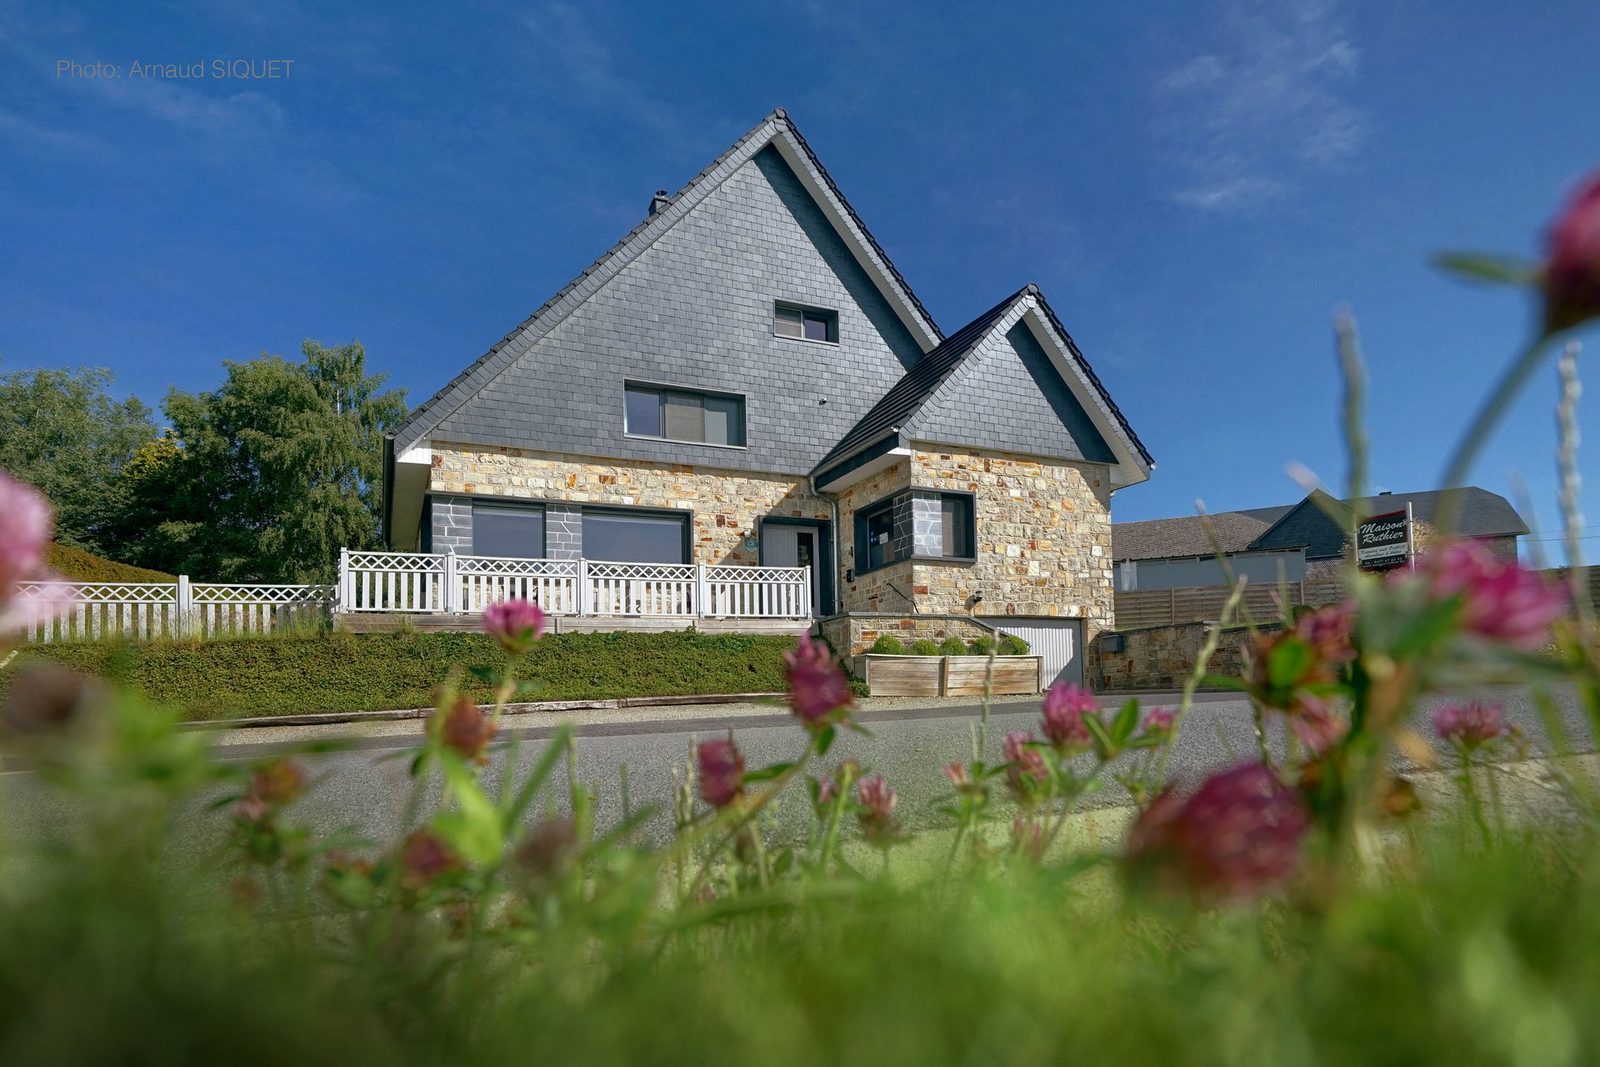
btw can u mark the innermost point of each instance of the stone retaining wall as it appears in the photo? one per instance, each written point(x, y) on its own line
point(1163, 657)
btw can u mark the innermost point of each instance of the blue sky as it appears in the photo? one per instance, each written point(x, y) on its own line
point(1196, 186)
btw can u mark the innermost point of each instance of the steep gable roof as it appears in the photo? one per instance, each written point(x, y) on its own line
point(909, 409)
point(1186, 536)
point(1308, 524)
point(776, 130)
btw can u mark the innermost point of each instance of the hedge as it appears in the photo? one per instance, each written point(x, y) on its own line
point(82, 566)
point(339, 671)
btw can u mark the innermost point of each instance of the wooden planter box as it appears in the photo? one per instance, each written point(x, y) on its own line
point(937, 676)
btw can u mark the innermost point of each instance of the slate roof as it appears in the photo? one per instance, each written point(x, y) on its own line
point(903, 400)
point(1185, 537)
point(427, 415)
point(1482, 514)
point(1304, 525)
point(916, 386)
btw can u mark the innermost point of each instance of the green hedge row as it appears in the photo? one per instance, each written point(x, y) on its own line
point(340, 671)
point(85, 566)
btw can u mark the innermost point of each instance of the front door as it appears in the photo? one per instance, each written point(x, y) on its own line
point(786, 544)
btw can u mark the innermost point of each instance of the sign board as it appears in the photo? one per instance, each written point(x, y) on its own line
point(1384, 541)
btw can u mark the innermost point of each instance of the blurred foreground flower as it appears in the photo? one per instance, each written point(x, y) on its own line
point(819, 693)
point(465, 729)
point(1237, 836)
point(1572, 270)
point(1501, 600)
point(1026, 771)
point(514, 624)
point(26, 522)
point(1317, 724)
point(721, 771)
point(1065, 708)
point(424, 858)
point(876, 815)
point(1470, 725)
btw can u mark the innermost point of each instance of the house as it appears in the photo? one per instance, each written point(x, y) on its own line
point(746, 379)
point(1304, 542)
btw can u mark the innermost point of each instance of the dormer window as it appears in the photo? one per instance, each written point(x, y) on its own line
point(805, 323)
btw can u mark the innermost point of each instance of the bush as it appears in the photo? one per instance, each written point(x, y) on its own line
point(953, 646)
point(1012, 645)
point(84, 566)
point(982, 646)
point(888, 645)
point(370, 672)
point(924, 647)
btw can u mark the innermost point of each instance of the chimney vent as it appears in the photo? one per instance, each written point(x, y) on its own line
point(659, 202)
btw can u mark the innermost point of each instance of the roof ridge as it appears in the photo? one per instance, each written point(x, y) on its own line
point(426, 415)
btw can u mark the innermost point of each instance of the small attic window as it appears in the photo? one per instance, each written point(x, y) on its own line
point(805, 323)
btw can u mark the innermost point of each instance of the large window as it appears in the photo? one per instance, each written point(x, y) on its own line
point(806, 324)
point(635, 537)
point(682, 415)
point(507, 530)
point(955, 527)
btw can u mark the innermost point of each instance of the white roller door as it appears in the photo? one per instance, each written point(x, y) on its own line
point(1059, 641)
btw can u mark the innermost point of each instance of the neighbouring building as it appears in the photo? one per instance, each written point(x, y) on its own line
point(747, 379)
point(1304, 542)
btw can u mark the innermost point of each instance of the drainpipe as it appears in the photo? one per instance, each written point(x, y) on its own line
point(833, 538)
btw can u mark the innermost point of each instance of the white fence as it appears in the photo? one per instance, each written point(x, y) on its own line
point(444, 582)
point(90, 610)
point(419, 583)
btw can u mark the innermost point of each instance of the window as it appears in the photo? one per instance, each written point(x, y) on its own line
point(875, 544)
point(681, 415)
point(806, 324)
point(955, 527)
point(635, 537)
point(507, 530)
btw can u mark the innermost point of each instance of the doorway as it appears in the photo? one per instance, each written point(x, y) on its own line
point(802, 543)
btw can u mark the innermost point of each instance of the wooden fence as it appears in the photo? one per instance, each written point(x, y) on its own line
point(1138, 608)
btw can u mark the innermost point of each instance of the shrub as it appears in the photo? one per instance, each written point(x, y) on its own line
point(1012, 645)
point(888, 645)
point(982, 646)
point(953, 646)
point(342, 671)
point(85, 566)
point(924, 647)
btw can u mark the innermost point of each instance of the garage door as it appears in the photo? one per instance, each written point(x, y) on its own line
point(1059, 641)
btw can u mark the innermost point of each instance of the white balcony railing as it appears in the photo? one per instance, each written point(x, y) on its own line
point(414, 582)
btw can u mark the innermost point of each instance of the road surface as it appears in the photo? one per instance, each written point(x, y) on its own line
point(366, 788)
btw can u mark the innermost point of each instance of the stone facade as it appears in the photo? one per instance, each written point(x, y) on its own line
point(727, 506)
point(1043, 538)
point(1043, 547)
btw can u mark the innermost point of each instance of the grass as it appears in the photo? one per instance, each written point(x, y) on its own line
point(302, 674)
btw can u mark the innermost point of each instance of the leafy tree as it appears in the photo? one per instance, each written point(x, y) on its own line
point(62, 431)
point(267, 477)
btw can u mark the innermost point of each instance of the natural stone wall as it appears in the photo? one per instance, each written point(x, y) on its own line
point(852, 635)
point(887, 588)
point(727, 505)
point(1044, 538)
point(1163, 657)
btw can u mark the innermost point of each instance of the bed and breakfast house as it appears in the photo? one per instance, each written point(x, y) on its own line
point(745, 380)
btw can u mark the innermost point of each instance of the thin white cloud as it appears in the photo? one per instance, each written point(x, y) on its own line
point(1247, 121)
point(572, 50)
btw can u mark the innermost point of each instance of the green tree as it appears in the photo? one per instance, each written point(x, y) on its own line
point(271, 474)
point(63, 432)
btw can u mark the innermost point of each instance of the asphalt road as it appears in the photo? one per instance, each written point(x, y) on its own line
point(366, 788)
